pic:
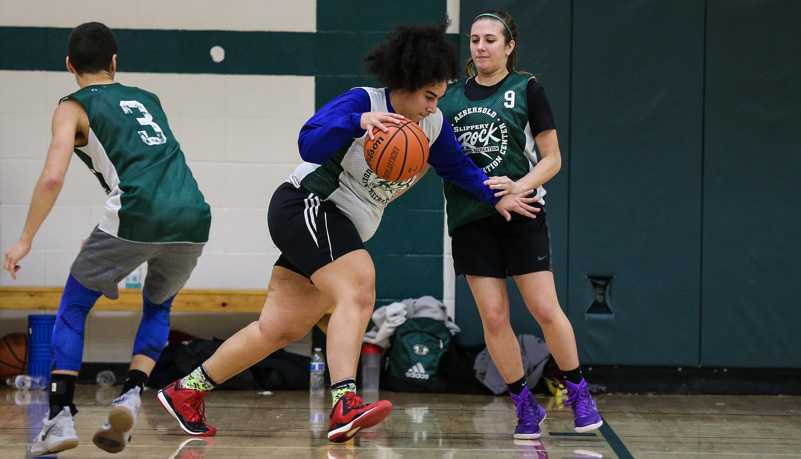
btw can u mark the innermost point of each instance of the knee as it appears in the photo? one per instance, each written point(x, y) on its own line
point(283, 335)
point(496, 320)
point(547, 314)
point(154, 329)
point(357, 300)
point(364, 299)
point(157, 311)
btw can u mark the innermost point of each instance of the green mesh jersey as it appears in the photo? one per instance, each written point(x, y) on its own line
point(152, 195)
point(495, 134)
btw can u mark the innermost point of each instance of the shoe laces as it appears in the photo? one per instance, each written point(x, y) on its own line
point(354, 401)
point(525, 411)
point(198, 407)
point(581, 402)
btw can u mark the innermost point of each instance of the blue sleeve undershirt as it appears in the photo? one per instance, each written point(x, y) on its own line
point(336, 124)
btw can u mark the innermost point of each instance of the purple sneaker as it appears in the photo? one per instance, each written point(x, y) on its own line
point(584, 409)
point(529, 415)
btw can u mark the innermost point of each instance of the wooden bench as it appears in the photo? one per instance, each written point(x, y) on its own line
point(48, 298)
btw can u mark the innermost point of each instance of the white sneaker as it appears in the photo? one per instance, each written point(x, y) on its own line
point(124, 410)
point(58, 434)
point(110, 439)
point(116, 432)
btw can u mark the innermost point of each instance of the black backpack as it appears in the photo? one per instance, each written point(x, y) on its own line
point(415, 359)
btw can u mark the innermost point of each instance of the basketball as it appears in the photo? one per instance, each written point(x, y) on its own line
point(398, 154)
point(13, 355)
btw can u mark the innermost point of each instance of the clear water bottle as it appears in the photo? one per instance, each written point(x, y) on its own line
point(317, 377)
point(317, 415)
point(371, 366)
point(22, 397)
point(106, 378)
point(26, 382)
point(134, 280)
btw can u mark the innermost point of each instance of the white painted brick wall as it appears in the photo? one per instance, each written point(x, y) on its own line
point(238, 132)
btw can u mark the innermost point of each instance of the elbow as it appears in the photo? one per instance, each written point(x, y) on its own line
point(305, 148)
point(305, 156)
point(52, 182)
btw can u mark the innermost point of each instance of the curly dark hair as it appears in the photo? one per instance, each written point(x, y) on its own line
point(414, 56)
point(91, 47)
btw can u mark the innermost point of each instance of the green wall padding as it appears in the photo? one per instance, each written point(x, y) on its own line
point(635, 179)
point(752, 165)
point(407, 248)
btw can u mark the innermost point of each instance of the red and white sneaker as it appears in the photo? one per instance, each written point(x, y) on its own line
point(350, 415)
point(187, 407)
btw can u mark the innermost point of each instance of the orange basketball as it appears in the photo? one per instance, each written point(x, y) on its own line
point(398, 154)
point(13, 355)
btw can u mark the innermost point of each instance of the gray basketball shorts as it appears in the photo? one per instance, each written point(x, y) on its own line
point(105, 260)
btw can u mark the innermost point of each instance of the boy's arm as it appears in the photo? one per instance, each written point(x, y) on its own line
point(66, 122)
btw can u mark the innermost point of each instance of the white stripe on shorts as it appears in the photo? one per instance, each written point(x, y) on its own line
point(312, 207)
point(328, 235)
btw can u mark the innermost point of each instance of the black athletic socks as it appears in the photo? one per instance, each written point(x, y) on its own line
point(517, 386)
point(135, 378)
point(574, 376)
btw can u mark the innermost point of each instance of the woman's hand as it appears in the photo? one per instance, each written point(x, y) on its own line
point(505, 185)
point(372, 120)
point(519, 204)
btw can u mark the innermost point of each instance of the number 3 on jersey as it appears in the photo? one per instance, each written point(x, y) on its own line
point(146, 120)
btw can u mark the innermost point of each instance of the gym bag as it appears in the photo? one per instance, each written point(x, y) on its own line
point(415, 361)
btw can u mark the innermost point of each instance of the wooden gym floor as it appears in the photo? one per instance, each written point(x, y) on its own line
point(251, 424)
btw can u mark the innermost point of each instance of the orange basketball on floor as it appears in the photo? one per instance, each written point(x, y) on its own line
point(398, 154)
point(13, 355)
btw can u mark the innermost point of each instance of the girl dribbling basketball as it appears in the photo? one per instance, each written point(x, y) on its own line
point(321, 216)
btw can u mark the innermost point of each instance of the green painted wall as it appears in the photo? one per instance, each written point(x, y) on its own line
point(407, 248)
point(168, 51)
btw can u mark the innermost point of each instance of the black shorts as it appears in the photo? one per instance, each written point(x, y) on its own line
point(309, 232)
point(493, 247)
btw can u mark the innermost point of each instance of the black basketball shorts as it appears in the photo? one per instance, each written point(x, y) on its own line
point(493, 247)
point(310, 232)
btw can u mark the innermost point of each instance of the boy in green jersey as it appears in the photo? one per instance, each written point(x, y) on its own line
point(154, 214)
